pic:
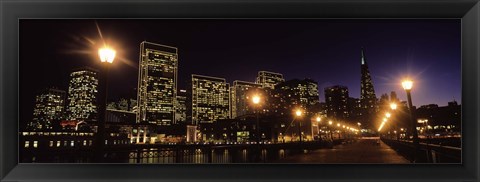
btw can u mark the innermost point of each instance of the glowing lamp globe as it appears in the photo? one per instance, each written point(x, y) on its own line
point(106, 54)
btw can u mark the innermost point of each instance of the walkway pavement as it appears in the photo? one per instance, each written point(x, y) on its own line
point(362, 151)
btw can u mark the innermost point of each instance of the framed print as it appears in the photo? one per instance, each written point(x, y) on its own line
point(239, 91)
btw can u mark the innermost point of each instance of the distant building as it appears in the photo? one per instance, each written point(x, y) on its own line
point(191, 133)
point(181, 107)
point(241, 93)
point(210, 99)
point(384, 102)
point(294, 94)
point(354, 108)
point(269, 79)
point(336, 98)
point(368, 100)
point(83, 95)
point(157, 83)
point(123, 104)
point(393, 97)
point(49, 107)
point(441, 119)
point(120, 116)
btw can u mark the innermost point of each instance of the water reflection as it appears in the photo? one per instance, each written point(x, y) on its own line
point(200, 156)
point(169, 156)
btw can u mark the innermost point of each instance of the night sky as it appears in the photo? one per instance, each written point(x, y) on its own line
point(326, 50)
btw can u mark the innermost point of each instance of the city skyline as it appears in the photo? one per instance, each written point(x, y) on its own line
point(384, 82)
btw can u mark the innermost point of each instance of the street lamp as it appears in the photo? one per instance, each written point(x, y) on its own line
point(318, 127)
point(330, 130)
point(107, 55)
point(393, 106)
point(256, 101)
point(407, 86)
point(298, 113)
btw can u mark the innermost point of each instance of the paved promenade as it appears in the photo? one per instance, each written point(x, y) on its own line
point(362, 151)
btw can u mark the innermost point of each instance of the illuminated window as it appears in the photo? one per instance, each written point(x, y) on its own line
point(85, 143)
point(27, 144)
point(35, 144)
point(58, 143)
point(51, 144)
point(72, 143)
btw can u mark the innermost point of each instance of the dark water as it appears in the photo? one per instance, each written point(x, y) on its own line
point(166, 156)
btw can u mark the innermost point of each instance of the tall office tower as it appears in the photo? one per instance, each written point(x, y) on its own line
point(384, 102)
point(210, 99)
point(157, 83)
point(242, 92)
point(181, 107)
point(83, 95)
point(269, 79)
point(49, 107)
point(368, 99)
point(294, 94)
point(336, 98)
point(393, 97)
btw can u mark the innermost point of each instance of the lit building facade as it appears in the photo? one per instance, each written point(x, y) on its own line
point(294, 94)
point(191, 133)
point(210, 99)
point(123, 104)
point(83, 95)
point(354, 108)
point(49, 106)
point(181, 107)
point(242, 92)
point(157, 83)
point(368, 100)
point(336, 98)
point(269, 79)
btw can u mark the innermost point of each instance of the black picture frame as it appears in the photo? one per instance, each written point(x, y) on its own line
point(12, 11)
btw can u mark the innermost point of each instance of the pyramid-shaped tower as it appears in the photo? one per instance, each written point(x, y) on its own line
point(368, 100)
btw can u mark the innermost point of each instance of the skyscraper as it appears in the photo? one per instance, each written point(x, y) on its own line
point(241, 91)
point(83, 95)
point(336, 98)
point(157, 83)
point(210, 99)
point(367, 93)
point(269, 79)
point(49, 106)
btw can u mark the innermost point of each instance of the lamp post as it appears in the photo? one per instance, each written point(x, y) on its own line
point(387, 116)
point(256, 101)
point(318, 119)
point(330, 123)
point(407, 86)
point(107, 55)
point(393, 106)
point(299, 113)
